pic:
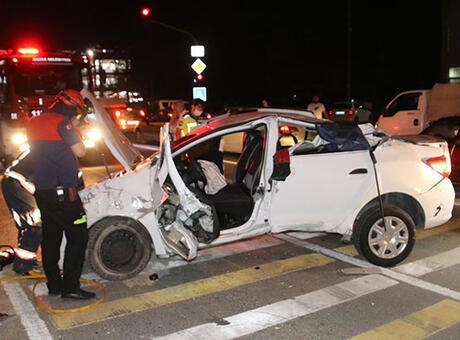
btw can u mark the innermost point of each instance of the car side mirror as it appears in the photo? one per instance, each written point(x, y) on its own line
point(281, 165)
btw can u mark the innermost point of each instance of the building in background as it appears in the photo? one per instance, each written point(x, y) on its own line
point(111, 72)
point(450, 43)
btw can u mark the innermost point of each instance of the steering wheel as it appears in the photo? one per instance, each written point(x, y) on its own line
point(287, 134)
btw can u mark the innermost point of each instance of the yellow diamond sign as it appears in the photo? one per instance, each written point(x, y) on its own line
point(198, 66)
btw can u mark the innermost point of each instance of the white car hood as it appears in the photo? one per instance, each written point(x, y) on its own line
point(120, 146)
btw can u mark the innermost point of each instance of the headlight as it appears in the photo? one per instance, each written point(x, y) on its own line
point(93, 134)
point(19, 138)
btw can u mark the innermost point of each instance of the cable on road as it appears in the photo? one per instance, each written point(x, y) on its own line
point(40, 277)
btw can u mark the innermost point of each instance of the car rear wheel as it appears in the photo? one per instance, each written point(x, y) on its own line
point(384, 245)
point(118, 248)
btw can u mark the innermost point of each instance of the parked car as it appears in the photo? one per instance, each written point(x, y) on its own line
point(411, 112)
point(175, 202)
point(349, 112)
point(448, 129)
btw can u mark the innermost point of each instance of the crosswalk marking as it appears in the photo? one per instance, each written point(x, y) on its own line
point(430, 264)
point(188, 290)
point(417, 325)
point(276, 313)
point(34, 326)
point(364, 264)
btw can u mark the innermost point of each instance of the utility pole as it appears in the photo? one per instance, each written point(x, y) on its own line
point(349, 31)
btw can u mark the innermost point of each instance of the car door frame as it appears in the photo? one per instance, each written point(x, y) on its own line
point(341, 224)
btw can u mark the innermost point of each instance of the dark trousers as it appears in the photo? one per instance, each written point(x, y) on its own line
point(62, 215)
point(27, 221)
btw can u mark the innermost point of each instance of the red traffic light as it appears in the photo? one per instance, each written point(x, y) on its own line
point(199, 77)
point(145, 11)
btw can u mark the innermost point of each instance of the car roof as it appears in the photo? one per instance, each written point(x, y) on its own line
point(245, 116)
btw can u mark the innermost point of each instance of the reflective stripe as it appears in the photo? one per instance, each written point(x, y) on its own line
point(22, 180)
point(186, 124)
point(25, 254)
point(81, 220)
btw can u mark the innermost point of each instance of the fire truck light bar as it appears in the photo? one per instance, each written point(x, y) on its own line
point(28, 50)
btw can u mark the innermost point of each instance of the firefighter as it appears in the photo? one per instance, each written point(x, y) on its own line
point(18, 191)
point(54, 145)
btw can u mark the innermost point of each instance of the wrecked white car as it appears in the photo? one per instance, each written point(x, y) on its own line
point(326, 177)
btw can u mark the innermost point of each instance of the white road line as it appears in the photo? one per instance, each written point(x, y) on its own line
point(431, 264)
point(33, 325)
point(279, 312)
point(385, 271)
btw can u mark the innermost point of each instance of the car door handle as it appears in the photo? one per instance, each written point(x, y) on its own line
point(359, 171)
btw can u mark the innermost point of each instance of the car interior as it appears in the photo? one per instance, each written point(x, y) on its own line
point(234, 202)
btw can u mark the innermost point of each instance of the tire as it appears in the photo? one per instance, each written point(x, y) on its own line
point(118, 248)
point(382, 247)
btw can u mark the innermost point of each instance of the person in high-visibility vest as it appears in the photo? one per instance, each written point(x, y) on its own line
point(186, 124)
point(18, 191)
point(190, 121)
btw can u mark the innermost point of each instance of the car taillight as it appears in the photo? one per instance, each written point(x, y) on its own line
point(350, 112)
point(142, 113)
point(440, 164)
point(330, 112)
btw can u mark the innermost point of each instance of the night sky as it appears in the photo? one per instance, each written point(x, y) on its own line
point(285, 51)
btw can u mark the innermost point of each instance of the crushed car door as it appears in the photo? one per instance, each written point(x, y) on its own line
point(180, 215)
point(323, 188)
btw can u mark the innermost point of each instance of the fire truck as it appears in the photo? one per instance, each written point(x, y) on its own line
point(29, 80)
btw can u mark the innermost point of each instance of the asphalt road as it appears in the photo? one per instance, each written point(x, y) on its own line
point(286, 286)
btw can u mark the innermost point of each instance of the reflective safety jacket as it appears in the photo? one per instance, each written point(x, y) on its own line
point(186, 124)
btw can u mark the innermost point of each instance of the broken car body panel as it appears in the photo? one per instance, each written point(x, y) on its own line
point(324, 190)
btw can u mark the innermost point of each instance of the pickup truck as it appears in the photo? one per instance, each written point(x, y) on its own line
point(411, 112)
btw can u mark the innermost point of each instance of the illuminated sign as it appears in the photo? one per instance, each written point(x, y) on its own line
point(51, 60)
point(197, 51)
point(198, 66)
point(200, 93)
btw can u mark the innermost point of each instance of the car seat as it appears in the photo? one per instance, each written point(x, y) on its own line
point(234, 203)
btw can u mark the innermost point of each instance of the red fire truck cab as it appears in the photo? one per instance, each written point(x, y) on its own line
point(29, 80)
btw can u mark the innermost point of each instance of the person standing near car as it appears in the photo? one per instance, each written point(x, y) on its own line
point(318, 108)
point(178, 110)
point(188, 121)
point(54, 145)
point(18, 192)
point(197, 111)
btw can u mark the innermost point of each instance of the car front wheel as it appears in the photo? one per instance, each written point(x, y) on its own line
point(118, 248)
point(384, 244)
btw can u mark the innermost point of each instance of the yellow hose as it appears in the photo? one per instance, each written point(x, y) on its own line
point(40, 277)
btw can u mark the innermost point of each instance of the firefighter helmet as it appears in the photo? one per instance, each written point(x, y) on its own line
point(72, 98)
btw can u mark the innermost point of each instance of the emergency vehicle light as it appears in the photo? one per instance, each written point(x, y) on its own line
point(28, 50)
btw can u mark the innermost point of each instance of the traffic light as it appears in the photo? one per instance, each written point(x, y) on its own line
point(145, 11)
point(198, 78)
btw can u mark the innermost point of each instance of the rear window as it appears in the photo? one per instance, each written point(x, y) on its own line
point(342, 106)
